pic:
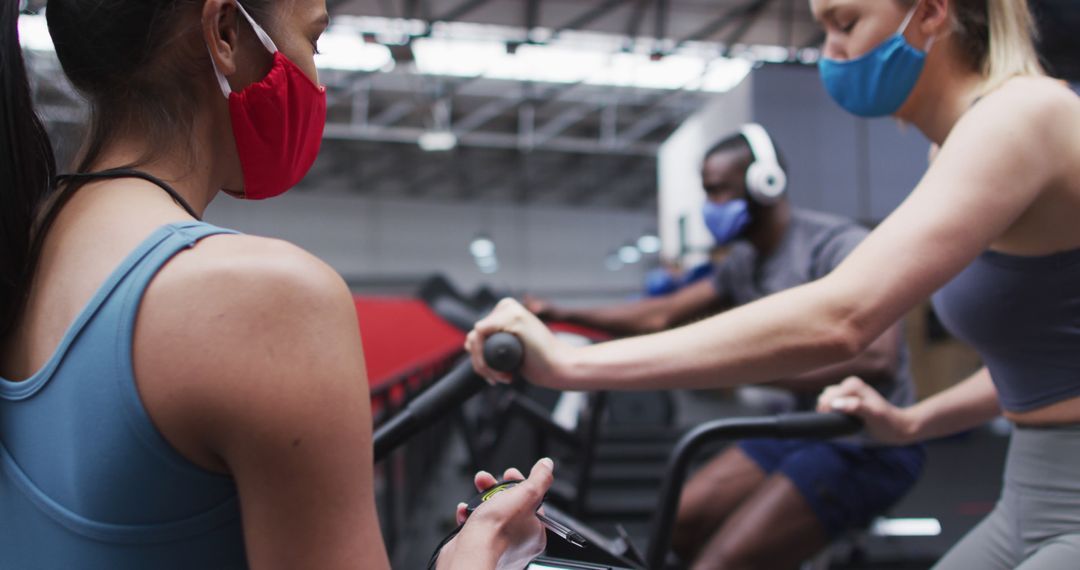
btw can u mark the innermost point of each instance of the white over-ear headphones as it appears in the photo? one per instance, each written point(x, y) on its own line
point(765, 178)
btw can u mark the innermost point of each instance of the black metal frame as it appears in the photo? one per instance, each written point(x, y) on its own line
point(806, 425)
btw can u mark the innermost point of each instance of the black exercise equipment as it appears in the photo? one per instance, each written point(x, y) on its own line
point(501, 351)
point(634, 416)
point(504, 352)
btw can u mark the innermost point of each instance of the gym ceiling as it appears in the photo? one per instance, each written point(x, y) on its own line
point(570, 144)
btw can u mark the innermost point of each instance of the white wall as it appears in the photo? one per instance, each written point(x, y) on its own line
point(547, 250)
point(679, 166)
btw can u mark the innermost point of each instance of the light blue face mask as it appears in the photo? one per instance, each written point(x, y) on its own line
point(726, 221)
point(879, 82)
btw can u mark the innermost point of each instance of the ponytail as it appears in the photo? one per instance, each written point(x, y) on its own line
point(998, 39)
point(27, 169)
point(1012, 36)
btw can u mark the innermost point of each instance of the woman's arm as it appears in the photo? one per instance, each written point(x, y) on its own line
point(262, 344)
point(996, 162)
point(964, 406)
point(253, 364)
point(877, 365)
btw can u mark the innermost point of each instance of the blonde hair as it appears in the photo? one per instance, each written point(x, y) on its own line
point(997, 37)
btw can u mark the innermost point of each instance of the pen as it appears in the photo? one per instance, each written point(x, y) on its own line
point(562, 531)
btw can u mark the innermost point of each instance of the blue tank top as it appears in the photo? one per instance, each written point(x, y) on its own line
point(86, 480)
point(1022, 314)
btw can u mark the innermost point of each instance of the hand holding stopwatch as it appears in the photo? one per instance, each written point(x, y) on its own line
point(557, 528)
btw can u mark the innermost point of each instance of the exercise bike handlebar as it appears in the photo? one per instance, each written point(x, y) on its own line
point(806, 425)
point(502, 351)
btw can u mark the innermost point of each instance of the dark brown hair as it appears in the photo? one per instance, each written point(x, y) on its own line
point(133, 61)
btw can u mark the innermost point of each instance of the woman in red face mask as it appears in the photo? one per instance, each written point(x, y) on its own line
point(154, 411)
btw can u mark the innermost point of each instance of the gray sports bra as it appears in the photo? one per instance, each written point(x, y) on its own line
point(1023, 316)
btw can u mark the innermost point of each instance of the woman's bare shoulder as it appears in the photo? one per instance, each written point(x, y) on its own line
point(1040, 98)
point(238, 318)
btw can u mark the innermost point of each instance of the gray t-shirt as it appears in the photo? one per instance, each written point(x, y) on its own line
point(815, 243)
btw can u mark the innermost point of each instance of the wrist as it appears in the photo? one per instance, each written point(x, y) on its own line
point(912, 424)
point(480, 544)
point(565, 367)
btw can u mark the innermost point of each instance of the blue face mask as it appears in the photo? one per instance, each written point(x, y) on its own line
point(879, 82)
point(726, 221)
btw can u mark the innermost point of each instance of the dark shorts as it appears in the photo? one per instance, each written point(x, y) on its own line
point(846, 484)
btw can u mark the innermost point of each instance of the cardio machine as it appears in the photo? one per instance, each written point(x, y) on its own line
point(504, 352)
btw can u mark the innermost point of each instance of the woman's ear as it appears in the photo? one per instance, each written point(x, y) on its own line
point(221, 30)
point(932, 18)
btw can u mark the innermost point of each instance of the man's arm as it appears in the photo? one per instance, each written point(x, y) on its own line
point(639, 317)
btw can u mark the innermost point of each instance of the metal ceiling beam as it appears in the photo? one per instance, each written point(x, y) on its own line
point(657, 113)
point(409, 135)
point(565, 120)
point(749, 19)
point(589, 17)
point(643, 127)
point(532, 14)
point(394, 113)
point(789, 24)
point(660, 20)
point(637, 17)
point(725, 19)
point(437, 95)
point(461, 10)
point(496, 108)
point(486, 113)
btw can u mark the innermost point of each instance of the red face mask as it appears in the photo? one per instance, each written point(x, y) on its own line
point(278, 123)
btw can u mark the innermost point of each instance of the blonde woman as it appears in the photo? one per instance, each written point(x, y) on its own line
point(991, 228)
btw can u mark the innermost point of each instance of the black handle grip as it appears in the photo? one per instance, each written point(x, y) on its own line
point(504, 352)
point(812, 425)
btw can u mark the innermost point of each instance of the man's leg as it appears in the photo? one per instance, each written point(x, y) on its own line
point(711, 494)
point(774, 528)
point(817, 491)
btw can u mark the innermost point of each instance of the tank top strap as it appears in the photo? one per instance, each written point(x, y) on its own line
point(167, 242)
point(133, 274)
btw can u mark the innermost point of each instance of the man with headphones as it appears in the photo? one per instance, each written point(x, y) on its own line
point(763, 497)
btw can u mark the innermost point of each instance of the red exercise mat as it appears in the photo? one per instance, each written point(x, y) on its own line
point(401, 336)
point(589, 333)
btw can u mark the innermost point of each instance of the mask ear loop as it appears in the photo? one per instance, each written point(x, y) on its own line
point(903, 25)
point(259, 32)
point(907, 20)
point(264, 38)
